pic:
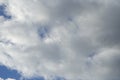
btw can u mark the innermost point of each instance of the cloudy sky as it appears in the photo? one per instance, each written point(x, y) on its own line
point(59, 39)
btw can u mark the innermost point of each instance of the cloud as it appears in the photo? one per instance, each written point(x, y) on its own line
point(7, 79)
point(73, 39)
point(1, 79)
point(10, 79)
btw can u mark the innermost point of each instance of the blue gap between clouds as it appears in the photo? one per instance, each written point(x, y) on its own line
point(8, 73)
point(43, 32)
point(3, 12)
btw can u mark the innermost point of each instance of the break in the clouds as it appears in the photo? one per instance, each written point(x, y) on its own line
point(61, 39)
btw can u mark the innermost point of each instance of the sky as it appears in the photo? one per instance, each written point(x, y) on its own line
point(59, 40)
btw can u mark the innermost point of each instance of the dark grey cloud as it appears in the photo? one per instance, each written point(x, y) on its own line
point(110, 20)
point(71, 8)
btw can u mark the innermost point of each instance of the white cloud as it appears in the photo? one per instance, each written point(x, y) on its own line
point(10, 79)
point(7, 79)
point(1, 79)
point(81, 39)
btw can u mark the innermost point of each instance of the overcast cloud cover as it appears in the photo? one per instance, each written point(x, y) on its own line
point(72, 39)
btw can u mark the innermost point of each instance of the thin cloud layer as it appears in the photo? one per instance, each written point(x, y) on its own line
point(7, 79)
point(71, 39)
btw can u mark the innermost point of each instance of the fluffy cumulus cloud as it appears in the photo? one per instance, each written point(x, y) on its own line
point(70, 39)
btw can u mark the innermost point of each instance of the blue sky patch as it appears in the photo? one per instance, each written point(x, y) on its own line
point(8, 73)
point(3, 12)
point(43, 32)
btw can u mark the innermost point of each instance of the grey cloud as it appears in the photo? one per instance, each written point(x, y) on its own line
point(109, 34)
point(108, 61)
point(71, 8)
point(75, 39)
